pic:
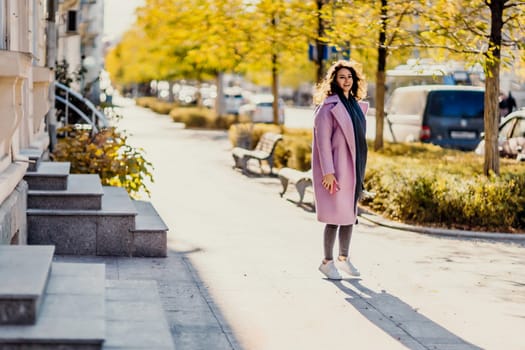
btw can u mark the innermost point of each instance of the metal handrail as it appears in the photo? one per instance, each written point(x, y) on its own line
point(96, 118)
point(76, 109)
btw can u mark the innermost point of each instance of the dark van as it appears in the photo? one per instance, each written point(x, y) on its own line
point(446, 115)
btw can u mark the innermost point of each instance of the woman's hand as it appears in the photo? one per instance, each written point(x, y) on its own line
point(330, 183)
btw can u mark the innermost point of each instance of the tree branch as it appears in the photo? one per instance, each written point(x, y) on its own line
point(513, 4)
point(514, 16)
point(431, 46)
point(399, 20)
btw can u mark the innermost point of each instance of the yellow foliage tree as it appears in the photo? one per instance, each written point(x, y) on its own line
point(486, 32)
point(390, 27)
point(129, 62)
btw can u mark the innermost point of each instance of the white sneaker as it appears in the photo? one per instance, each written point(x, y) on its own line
point(330, 271)
point(348, 267)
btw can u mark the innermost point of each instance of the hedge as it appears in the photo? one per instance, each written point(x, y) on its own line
point(425, 184)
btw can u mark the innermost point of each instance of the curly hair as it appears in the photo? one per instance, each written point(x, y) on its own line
point(329, 85)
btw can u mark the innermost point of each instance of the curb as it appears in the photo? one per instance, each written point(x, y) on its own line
point(376, 219)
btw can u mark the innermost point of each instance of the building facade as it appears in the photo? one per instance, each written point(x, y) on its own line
point(24, 102)
point(34, 34)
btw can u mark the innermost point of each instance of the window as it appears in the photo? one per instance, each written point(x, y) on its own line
point(456, 104)
point(506, 129)
point(72, 21)
point(519, 129)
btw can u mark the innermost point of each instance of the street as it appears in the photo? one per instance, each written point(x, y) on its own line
point(254, 257)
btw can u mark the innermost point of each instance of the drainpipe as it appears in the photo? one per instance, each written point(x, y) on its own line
point(51, 57)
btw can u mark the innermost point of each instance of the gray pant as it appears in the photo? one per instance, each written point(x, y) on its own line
point(345, 234)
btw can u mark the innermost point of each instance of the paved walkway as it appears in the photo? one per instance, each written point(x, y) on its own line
point(242, 267)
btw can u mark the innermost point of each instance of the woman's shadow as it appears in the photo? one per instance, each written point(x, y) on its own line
point(400, 320)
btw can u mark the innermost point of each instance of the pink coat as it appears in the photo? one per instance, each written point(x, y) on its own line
point(333, 151)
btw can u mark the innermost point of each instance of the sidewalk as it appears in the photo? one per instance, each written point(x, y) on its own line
point(242, 266)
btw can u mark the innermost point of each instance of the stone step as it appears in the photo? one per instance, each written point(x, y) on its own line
point(72, 315)
point(24, 272)
point(49, 176)
point(35, 157)
point(150, 232)
point(87, 232)
point(84, 191)
point(135, 318)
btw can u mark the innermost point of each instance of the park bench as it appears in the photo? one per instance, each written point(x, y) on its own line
point(301, 179)
point(264, 151)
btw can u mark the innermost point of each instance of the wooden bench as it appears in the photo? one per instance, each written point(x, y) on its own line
point(301, 179)
point(263, 151)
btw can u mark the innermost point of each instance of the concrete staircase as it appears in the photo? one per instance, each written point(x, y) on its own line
point(79, 216)
point(58, 306)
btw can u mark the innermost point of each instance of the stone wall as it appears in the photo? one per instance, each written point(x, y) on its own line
point(13, 219)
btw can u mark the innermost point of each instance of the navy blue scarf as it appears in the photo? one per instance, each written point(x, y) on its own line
point(359, 122)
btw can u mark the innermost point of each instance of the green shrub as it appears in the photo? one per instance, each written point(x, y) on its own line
point(162, 107)
point(156, 105)
point(445, 188)
point(248, 134)
point(224, 122)
point(107, 154)
point(145, 101)
point(296, 152)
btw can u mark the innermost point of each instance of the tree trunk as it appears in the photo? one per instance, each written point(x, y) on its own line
point(220, 108)
point(380, 110)
point(491, 120)
point(319, 45)
point(275, 89)
point(171, 96)
point(275, 72)
point(491, 113)
point(380, 78)
point(198, 95)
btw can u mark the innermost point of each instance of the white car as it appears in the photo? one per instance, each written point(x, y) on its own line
point(260, 110)
point(511, 136)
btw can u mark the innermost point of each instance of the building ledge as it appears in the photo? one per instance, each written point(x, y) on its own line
point(14, 64)
point(10, 177)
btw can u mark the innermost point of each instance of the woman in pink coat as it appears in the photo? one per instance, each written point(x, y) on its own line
point(338, 160)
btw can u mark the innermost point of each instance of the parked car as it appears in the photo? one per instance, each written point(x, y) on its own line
point(450, 116)
point(260, 109)
point(511, 136)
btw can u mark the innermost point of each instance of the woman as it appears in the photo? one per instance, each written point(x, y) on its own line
point(338, 160)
